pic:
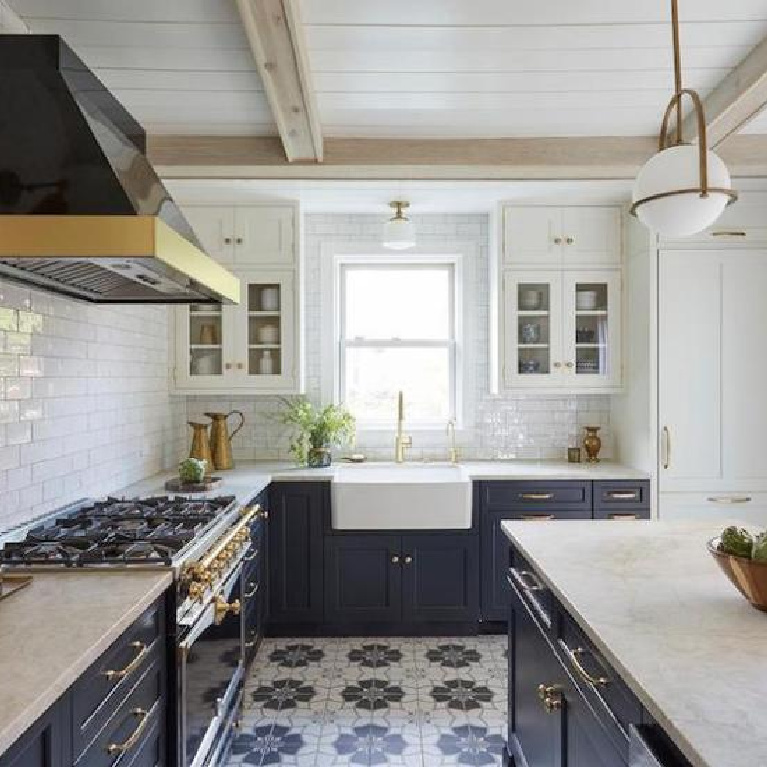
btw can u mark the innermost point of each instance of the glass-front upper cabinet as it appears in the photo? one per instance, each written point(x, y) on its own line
point(204, 343)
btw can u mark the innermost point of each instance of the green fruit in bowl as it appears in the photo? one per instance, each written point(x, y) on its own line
point(736, 541)
point(192, 470)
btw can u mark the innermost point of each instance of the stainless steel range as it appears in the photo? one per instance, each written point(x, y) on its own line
point(212, 546)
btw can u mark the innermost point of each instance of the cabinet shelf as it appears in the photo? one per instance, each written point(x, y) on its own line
point(533, 312)
point(264, 346)
point(261, 313)
point(207, 313)
point(591, 312)
point(532, 346)
point(590, 346)
point(204, 346)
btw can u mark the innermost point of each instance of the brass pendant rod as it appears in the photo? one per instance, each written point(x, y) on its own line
point(677, 68)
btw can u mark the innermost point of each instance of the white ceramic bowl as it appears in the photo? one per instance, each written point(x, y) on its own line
point(586, 300)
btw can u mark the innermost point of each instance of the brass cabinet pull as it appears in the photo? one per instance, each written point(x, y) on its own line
point(575, 655)
point(623, 517)
point(533, 585)
point(536, 496)
point(623, 495)
point(252, 592)
point(126, 745)
point(730, 233)
point(537, 517)
point(666, 458)
point(729, 499)
point(395, 559)
point(132, 666)
point(551, 697)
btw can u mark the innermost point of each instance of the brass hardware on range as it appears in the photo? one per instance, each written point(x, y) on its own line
point(575, 658)
point(537, 517)
point(196, 591)
point(533, 585)
point(551, 697)
point(536, 496)
point(408, 559)
point(623, 495)
point(623, 517)
point(222, 608)
point(395, 559)
point(132, 666)
point(126, 745)
point(729, 500)
point(666, 448)
point(728, 234)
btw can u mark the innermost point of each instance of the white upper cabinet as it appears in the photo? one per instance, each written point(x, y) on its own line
point(246, 235)
point(573, 236)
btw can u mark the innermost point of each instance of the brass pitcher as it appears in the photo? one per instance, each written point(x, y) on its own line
point(221, 438)
point(201, 445)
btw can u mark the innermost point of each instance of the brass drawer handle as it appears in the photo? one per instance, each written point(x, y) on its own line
point(729, 499)
point(575, 655)
point(537, 517)
point(126, 745)
point(252, 592)
point(731, 233)
point(623, 495)
point(536, 496)
point(623, 517)
point(520, 575)
point(132, 666)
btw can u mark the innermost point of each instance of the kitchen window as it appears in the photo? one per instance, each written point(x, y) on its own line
point(397, 326)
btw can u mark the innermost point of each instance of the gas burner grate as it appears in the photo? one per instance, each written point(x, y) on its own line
point(135, 552)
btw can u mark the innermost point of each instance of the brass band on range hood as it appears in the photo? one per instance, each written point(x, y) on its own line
point(43, 250)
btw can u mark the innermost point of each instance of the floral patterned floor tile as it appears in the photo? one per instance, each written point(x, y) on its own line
point(466, 745)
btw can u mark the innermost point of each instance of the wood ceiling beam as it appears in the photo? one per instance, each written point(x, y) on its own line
point(458, 159)
point(276, 37)
point(739, 96)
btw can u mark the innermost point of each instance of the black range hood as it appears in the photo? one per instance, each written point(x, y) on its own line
point(82, 212)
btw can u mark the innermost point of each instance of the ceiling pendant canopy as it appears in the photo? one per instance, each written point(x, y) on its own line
point(684, 187)
point(399, 232)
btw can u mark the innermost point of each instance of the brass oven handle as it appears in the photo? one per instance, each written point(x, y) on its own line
point(666, 447)
point(536, 496)
point(574, 655)
point(246, 516)
point(729, 499)
point(623, 517)
point(623, 495)
point(126, 745)
point(250, 594)
point(520, 575)
point(537, 517)
point(132, 666)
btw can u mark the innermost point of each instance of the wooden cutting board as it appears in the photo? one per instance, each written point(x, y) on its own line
point(177, 486)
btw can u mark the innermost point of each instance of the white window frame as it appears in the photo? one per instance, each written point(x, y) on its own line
point(462, 257)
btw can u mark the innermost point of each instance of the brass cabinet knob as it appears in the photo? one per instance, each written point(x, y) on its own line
point(557, 364)
point(240, 366)
point(227, 240)
point(395, 559)
point(569, 364)
point(408, 559)
point(227, 366)
point(557, 240)
point(570, 240)
point(238, 240)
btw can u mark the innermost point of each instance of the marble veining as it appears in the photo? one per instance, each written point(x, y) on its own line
point(656, 605)
point(51, 632)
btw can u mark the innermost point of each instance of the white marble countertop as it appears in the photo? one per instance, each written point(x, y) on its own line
point(654, 602)
point(52, 630)
point(250, 477)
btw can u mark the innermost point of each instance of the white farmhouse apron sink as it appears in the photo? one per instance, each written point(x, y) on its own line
point(401, 497)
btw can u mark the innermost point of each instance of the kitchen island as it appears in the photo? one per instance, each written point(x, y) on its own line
point(648, 601)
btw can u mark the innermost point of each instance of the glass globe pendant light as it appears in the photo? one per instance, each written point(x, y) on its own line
point(683, 188)
point(399, 232)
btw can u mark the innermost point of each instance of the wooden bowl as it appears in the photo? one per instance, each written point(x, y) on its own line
point(748, 577)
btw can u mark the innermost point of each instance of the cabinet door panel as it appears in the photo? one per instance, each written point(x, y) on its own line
point(441, 580)
point(530, 236)
point(363, 578)
point(592, 236)
point(47, 743)
point(264, 236)
point(690, 395)
point(214, 227)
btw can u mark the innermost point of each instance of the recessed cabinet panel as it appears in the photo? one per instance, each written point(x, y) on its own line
point(214, 227)
point(264, 235)
point(591, 236)
point(533, 236)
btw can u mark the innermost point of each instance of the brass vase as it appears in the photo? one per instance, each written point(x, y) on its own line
point(221, 438)
point(592, 443)
point(201, 445)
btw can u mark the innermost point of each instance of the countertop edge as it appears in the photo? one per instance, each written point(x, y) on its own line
point(12, 731)
point(645, 699)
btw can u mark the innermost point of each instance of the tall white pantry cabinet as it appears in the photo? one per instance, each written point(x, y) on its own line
point(253, 347)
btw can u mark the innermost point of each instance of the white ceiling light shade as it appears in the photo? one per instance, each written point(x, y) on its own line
point(684, 188)
point(399, 232)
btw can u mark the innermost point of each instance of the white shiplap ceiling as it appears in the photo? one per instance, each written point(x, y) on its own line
point(493, 68)
point(179, 66)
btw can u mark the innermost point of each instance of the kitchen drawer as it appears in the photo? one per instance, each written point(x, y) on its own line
point(101, 689)
point(151, 750)
point(530, 588)
point(125, 734)
point(531, 497)
point(605, 691)
point(251, 564)
point(622, 499)
point(740, 506)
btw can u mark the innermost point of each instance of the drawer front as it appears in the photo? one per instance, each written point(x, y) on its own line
point(532, 497)
point(101, 689)
point(125, 734)
point(600, 685)
point(530, 588)
point(617, 497)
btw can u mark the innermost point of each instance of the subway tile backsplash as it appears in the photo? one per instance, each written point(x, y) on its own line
point(527, 426)
point(85, 406)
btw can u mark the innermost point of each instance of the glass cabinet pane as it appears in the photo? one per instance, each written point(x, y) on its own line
point(533, 329)
point(591, 328)
point(205, 331)
point(265, 326)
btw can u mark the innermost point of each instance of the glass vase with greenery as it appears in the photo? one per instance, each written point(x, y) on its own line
point(318, 429)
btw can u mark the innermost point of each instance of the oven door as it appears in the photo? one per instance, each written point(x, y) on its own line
point(211, 672)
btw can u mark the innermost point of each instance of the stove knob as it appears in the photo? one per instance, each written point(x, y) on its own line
point(222, 608)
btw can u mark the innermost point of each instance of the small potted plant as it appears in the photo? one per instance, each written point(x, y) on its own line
point(319, 429)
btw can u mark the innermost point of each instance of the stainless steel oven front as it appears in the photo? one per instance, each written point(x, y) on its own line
point(210, 674)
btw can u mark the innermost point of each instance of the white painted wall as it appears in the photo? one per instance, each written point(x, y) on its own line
point(524, 426)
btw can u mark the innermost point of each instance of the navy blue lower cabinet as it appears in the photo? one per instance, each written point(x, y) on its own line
point(440, 577)
point(363, 578)
point(297, 513)
point(47, 743)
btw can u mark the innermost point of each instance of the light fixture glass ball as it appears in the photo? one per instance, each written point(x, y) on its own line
point(399, 234)
point(680, 215)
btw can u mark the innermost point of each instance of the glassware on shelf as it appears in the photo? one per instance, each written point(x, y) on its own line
point(266, 363)
point(270, 299)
